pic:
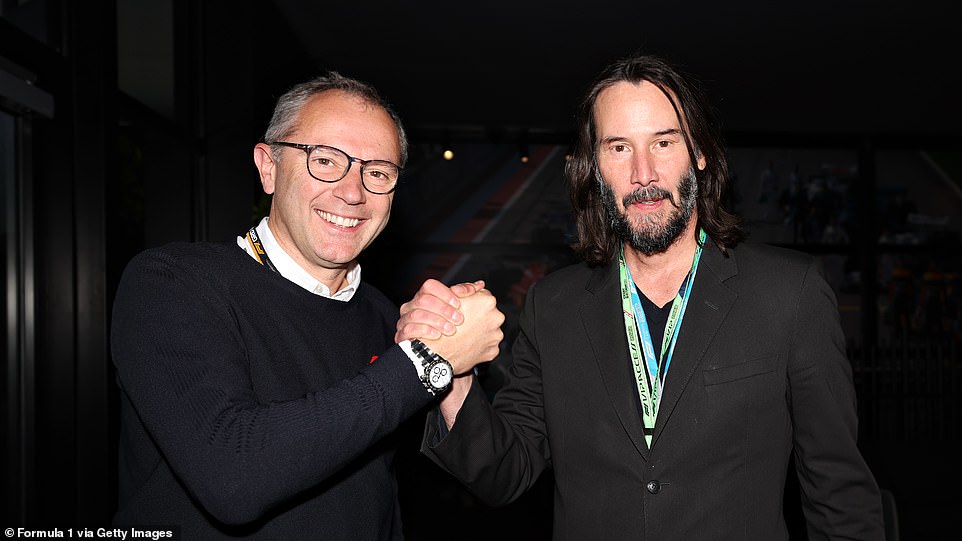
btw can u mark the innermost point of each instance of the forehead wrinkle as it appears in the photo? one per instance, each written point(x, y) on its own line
point(601, 104)
point(341, 114)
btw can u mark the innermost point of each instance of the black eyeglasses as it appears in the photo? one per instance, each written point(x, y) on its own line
point(329, 164)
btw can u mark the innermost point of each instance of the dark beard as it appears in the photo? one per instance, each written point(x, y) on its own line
point(651, 237)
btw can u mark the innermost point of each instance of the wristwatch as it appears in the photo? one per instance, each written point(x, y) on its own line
point(437, 372)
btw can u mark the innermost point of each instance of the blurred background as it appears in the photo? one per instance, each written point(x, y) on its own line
point(129, 124)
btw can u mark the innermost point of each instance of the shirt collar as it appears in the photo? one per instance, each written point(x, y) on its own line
point(288, 268)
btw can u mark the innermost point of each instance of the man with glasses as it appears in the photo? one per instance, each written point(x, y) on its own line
point(260, 380)
point(668, 379)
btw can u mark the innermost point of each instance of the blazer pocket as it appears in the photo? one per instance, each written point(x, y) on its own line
point(747, 369)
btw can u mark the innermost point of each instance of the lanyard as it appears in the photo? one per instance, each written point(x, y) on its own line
point(650, 374)
point(259, 253)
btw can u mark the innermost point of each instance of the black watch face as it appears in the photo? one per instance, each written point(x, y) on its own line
point(440, 375)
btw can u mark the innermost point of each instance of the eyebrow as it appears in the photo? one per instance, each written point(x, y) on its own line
point(669, 131)
point(616, 138)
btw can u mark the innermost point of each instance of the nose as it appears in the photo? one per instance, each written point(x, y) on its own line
point(350, 189)
point(643, 168)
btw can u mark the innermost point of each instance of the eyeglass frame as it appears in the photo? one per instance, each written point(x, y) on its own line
point(350, 162)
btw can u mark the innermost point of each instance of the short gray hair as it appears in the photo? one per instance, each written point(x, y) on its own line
point(289, 106)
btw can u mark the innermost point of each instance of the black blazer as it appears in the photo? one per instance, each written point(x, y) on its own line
point(759, 372)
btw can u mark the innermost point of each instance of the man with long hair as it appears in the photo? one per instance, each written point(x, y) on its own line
point(669, 378)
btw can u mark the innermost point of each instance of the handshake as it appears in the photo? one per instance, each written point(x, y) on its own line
point(461, 323)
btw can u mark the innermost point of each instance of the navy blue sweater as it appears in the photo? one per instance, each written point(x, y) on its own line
point(250, 406)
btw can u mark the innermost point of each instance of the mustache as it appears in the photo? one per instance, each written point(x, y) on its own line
point(649, 193)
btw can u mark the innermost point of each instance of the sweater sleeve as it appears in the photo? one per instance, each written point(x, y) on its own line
point(182, 365)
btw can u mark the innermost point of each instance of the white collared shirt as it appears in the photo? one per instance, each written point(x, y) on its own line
point(288, 268)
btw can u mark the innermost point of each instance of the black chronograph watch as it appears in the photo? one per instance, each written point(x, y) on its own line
point(436, 374)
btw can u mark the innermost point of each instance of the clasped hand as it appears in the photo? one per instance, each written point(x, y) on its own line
point(461, 323)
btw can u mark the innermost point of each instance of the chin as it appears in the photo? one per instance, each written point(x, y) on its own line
point(338, 258)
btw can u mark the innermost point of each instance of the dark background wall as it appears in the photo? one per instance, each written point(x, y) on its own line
point(126, 125)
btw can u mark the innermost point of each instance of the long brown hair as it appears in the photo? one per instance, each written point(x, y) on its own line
point(596, 242)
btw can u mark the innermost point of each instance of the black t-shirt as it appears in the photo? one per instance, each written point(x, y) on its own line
point(657, 318)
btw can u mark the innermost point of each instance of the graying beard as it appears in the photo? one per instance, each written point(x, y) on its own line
point(652, 242)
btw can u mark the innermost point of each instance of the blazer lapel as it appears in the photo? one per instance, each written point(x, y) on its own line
point(605, 328)
point(708, 306)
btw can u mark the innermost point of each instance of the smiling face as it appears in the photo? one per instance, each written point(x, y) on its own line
point(649, 187)
point(325, 226)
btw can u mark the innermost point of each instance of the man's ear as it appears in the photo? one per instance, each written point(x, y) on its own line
point(266, 166)
point(701, 162)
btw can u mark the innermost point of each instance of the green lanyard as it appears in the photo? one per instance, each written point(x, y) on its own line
point(649, 375)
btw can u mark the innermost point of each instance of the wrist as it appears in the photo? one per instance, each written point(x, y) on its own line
point(434, 370)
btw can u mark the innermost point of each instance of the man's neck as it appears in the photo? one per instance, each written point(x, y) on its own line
point(334, 278)
point(659, 276)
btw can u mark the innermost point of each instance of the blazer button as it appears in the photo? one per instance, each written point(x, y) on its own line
point(654, 487)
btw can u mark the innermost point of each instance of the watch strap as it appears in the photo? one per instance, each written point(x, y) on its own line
point(428, 359)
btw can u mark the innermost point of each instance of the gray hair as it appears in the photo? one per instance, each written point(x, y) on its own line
point(289, 106)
